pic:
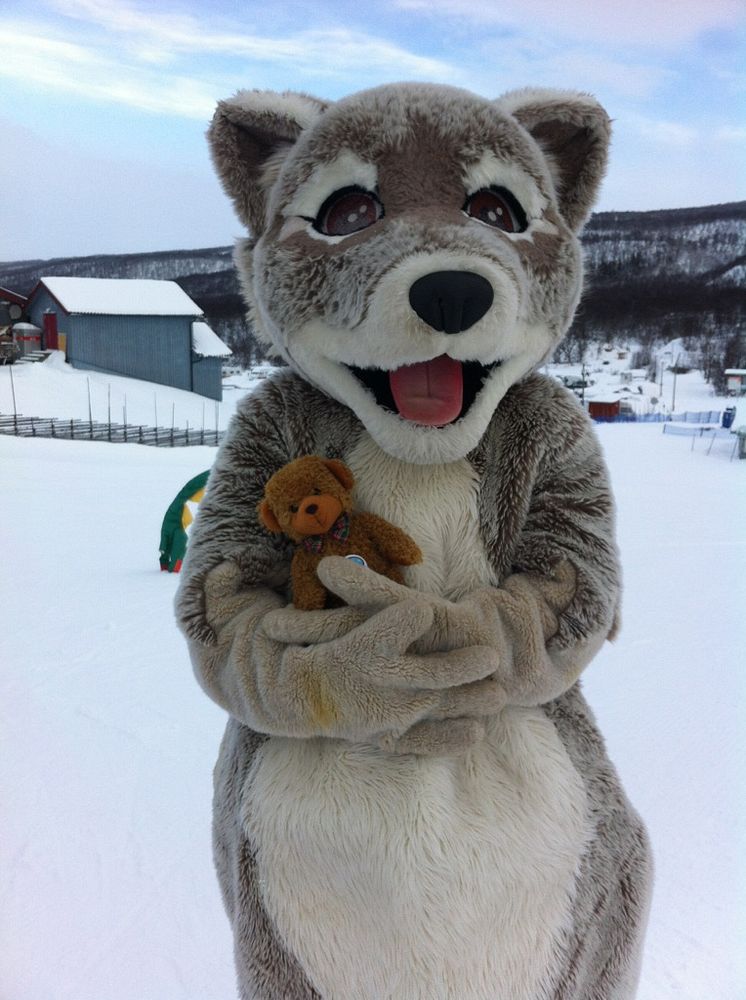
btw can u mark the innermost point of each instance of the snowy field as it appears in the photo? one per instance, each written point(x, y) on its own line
point(56, 389)
point(107, 744)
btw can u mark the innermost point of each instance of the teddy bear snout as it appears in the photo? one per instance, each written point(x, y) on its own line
point(316, 514)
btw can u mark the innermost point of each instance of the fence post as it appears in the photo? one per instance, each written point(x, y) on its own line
point(15, 411)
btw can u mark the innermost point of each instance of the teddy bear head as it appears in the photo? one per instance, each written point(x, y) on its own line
point(306, 497)
point(415, 247)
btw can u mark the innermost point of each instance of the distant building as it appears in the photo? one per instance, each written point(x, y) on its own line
point(601, 410)
point(735, 381)
point(12, 306)
point(139, 328)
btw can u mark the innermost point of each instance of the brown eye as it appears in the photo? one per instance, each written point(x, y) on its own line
point(496, 207)
point(293, 508)
point(348, 211)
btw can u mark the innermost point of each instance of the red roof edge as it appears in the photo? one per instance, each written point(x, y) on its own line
point(8, 296)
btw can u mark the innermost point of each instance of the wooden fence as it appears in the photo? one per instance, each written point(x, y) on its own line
point(91, 430)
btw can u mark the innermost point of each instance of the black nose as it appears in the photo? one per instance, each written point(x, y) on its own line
point(451, 301)
point(312, 508)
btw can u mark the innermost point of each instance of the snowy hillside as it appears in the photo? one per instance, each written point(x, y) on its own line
point(56, 389)
point(650, 276)
point(106, 885)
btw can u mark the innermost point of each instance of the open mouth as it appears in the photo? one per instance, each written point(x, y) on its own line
point(434, 393)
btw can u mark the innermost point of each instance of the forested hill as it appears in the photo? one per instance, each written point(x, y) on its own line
point(651, 276)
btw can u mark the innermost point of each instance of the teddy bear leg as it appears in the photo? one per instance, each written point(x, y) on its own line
point(395, 574)
point(309, 593)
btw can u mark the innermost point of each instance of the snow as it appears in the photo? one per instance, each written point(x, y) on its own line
point(207, 343)
point(121, 296)
point(56, 389)
point(106, 884)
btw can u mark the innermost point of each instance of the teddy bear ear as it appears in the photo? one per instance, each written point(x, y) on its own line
point(267, 517)
point(341, 472)
point(250, 135)
point(573, 131)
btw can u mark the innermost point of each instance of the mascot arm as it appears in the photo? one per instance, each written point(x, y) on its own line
point(567, 573)
point(549, 617)
point(349, 677)
point(350, 681)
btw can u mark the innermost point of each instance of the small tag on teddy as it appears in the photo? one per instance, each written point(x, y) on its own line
point(358, 560)
point(310, 500)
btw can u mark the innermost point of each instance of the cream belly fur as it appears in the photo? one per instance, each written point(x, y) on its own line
point(418, 878)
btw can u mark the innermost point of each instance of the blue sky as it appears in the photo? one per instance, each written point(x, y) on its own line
point(104, 103)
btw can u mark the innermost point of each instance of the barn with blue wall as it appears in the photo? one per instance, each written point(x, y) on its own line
point(139, 328)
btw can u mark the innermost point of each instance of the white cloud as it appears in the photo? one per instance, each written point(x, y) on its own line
point(731, 133)
point(167, 63)
point(661, 24)
point(70, 68)
point(325, 52)
point(660, 131)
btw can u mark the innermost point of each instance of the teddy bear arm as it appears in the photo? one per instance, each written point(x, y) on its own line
point(392, 543)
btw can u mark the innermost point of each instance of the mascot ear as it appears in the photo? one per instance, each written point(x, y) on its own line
point(341, 472)
point(249, 137)
point(573, 131)
point(267, 517)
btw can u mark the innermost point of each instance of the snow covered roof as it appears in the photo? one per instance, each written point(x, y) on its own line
point(735, 371)
point(121, 296)
point(206, 342)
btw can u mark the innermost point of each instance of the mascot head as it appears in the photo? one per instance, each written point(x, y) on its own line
point(414, 248)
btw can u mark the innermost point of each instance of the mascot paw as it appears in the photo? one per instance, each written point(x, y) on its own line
point(435, 738)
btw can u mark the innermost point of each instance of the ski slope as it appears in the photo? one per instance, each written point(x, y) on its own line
point(107, 743)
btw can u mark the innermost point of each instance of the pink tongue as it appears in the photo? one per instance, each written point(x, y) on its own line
point(430, 392)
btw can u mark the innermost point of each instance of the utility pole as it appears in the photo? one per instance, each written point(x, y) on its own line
point(673, 396)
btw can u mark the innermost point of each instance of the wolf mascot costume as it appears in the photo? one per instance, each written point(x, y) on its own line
point(412, 799)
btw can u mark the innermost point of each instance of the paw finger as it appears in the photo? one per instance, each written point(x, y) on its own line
point(482, 698)
point(359, 586)
point(436, 671)
point(432, 737)
point(307, 627)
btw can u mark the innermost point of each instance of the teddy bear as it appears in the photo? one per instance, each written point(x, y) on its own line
point(310, 501)
point(413, 799)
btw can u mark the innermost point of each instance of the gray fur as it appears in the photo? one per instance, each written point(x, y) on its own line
point(524, 528)
point(544, 498)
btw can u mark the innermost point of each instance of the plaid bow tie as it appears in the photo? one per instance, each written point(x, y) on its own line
point(340, 530)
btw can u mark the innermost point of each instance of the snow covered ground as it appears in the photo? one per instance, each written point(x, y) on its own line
point(107, 744)
point(56, 389)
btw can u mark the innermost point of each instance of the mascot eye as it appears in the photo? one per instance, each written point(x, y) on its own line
point(496, 207)
point(348, 211)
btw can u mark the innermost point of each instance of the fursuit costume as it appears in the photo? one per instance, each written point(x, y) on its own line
point(412, 798)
